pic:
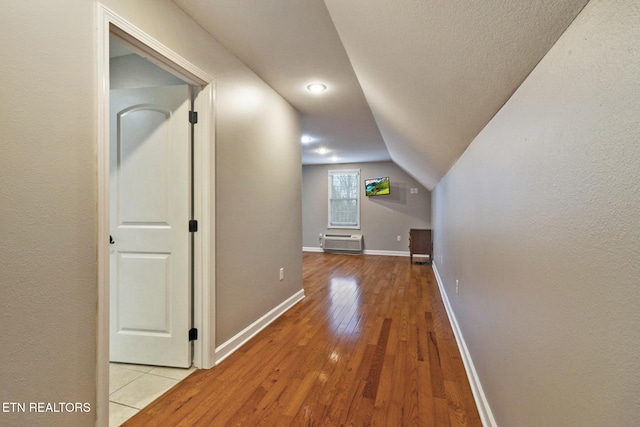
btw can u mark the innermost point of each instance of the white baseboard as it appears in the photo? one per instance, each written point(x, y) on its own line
point(231, 345)
point(486, 416)
point(365, 252)
point(386, 253)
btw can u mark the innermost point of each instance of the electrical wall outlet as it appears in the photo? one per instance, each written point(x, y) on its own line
point(399, 238)
point(282, 274)
point(457, 285)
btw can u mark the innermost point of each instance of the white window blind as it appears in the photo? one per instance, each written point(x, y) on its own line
point(344, 198)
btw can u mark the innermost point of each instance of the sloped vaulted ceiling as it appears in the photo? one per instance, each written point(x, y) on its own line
point(413, 80)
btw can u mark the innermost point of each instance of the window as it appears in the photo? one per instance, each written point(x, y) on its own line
point(344, 198)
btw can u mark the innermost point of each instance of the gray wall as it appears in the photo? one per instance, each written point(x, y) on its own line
point(382, 218)
point(539, 220)
point(48, 285)
point(48, 221)
point(258, 204)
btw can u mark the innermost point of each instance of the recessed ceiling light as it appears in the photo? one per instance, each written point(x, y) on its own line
point(306, 139)
point(335, 158)
point(317, 87)
point(322, 151)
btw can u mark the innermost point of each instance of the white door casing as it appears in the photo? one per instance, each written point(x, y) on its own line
point(149, 214)
point(108, 23)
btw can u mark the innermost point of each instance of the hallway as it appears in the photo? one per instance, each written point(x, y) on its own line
point(369, 344)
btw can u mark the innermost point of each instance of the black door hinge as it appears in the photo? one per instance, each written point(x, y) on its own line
point(193, 117)
point(193, 225)
point(193, 334)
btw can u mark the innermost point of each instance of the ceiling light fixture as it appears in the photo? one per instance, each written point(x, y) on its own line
point(317, 87)
point(322, 151)
point(306, 139)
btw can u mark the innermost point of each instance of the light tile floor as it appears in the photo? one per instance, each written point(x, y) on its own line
point(132, 387)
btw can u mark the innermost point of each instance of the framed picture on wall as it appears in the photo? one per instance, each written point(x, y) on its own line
point(376, 186)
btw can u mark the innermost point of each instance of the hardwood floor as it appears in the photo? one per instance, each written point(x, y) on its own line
point(369, 345)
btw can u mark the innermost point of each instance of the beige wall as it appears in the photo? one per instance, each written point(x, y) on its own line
point(383, 218)
point(48, 222)
point(539, 221)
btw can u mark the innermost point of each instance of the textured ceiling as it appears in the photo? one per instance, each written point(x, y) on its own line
point(410, 80)
point(290, 44)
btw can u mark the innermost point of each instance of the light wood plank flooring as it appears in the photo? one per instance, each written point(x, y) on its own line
point(369, 345)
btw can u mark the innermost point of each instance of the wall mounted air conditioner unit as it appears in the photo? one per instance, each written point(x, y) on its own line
point(342, 242)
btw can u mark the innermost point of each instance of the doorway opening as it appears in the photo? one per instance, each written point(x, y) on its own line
point(151, 257)
point(155, 209)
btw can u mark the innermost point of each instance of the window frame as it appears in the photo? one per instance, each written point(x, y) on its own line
point(330, 175)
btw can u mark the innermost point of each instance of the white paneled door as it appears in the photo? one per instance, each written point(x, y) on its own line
point(149, 216)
